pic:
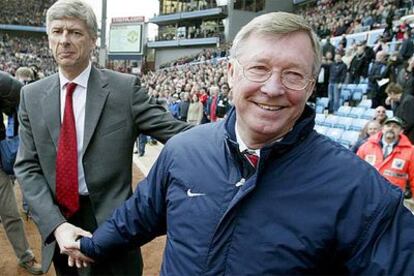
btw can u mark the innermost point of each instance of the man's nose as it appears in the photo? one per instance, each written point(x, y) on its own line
point(273, 86)
point(64, 38)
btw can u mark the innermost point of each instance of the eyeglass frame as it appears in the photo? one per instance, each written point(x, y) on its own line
point(308, 80)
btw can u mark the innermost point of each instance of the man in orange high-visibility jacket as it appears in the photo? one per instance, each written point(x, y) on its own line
point(392, 154)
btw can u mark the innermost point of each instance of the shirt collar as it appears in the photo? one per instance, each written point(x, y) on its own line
point(242, 145)
point(384, 143)
point(80, 80)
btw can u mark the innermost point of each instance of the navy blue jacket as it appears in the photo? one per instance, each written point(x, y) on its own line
point(312, 207)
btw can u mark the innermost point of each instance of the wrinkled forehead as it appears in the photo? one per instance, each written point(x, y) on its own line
point(69, 23)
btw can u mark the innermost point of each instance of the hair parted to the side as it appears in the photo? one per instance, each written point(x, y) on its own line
point(279, 23)
point(73, 9)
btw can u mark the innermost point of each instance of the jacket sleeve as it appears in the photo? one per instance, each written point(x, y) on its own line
point(411, 173)
point(151, 118)
point(385, 247)
point(30, 175)
point(9, 93)
point(361, 151)
point(139, 220)
point(405, 112)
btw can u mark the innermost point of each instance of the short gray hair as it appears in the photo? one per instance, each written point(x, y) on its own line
point(279, 23)
point(73, 9)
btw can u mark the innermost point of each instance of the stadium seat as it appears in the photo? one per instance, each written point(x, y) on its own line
point(321, 129)
point(319, 118)
point(368, 114)
point(357, 95)
point(322, 101)
point(356, 112)
point(366, 103)
point(343, 122)
point(363, 87)
point(319, 109)
point(358, 124)
point(330, 121)
point(345, 95)
point(334, 133)
point(343, 110)
point(349, 138)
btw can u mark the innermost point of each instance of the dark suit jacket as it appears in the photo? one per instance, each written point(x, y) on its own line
point(9, 98)
point(117, 110)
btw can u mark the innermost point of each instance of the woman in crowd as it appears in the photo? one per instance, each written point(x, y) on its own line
point(195, 111)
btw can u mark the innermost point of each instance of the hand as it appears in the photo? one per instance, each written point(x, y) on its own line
point(76, 256)
point(66, 235)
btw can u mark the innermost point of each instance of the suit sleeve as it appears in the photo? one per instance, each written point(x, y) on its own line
point(139, 220)
point(33, 183)
point(151, 118)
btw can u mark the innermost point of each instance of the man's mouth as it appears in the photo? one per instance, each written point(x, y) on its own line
point(269, 107)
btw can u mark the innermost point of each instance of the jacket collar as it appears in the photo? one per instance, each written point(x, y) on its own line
point(302, 128)
point(403, 140)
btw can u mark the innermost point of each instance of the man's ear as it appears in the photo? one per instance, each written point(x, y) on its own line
point(230, 74)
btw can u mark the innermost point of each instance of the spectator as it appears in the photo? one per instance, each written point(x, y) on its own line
point(392, 154)
point(223, 102)
point(403, 104)
point(380, 114)
point(407, 47)
point(372, 127)
point(195, 111)
point(174, 106)
point(359, 65)
point(405, 77)
point(183, 107)
point(328, 47)
point(9, 212)
point(376, 73)
point(337, 75)
point(212, 104)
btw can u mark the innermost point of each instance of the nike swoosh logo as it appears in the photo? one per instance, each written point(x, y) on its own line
point(191, 194)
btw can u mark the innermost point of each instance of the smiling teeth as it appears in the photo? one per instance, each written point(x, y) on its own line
point(269, 107)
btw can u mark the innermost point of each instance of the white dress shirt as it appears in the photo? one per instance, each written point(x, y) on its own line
point(242, 145)
point(79, 102)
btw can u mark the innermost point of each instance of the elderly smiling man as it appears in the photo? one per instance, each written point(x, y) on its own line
point(261, 193)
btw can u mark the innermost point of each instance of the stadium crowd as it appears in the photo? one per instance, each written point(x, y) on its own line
point(24, 12)
point(335, 18)
point(17, 50)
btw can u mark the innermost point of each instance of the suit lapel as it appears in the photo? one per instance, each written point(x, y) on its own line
point(95, 101)
point(51, 109)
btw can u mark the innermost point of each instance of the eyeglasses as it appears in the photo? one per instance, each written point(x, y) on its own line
point(260, 73)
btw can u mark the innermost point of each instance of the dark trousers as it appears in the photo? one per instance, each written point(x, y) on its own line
point(142, 141)
point(126, 263)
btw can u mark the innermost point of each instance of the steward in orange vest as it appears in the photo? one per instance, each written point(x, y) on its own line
point(396, 162)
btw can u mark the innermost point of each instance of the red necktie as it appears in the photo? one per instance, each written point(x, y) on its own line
point(67, 194)
point(253, 158)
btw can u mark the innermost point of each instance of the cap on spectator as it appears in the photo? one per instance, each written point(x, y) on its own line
point(396, 120)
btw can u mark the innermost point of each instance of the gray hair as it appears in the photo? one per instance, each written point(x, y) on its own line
point(73, 9)
point(279, 23)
